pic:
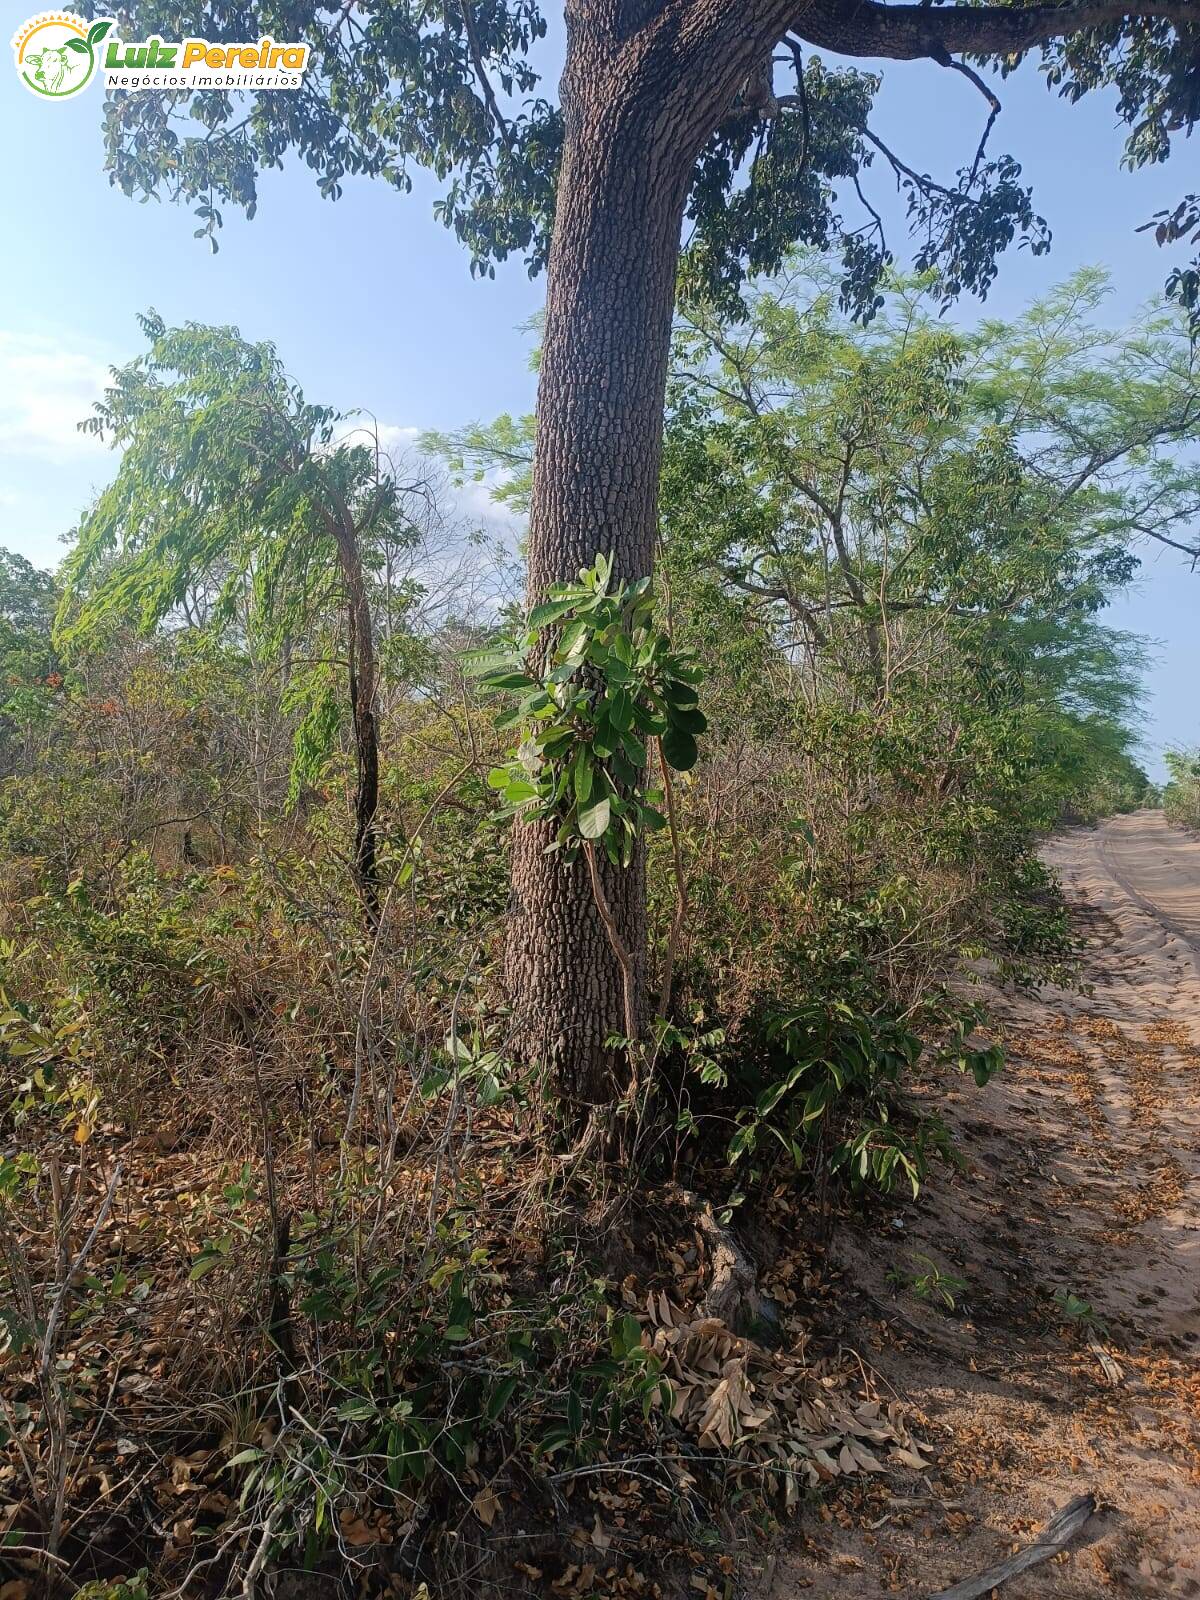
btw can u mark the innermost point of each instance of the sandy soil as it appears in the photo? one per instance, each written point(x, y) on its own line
point(1085, 1177)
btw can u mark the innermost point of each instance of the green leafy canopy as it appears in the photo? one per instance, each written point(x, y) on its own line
point(458, 89)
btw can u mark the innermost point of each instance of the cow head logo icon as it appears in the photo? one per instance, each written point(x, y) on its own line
point(55, 53)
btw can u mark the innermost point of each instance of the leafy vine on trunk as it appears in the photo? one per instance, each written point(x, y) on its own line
point(600, 687)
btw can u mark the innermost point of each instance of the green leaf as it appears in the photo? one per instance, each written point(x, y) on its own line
point(499, 778)
point(620, 711)
point(647, 721)
point(688, 718)
point(519, 791)
point(624, 771)
point(584, 773)
point(509, 680)
point(359, 1409)
point(550, 611)
point(478, 662)
point(593, 820)
point(78, 46)
point(679, 749)
point(678, 693)
point(499, 1398)
point(97, 30)
point(204, 1265)
point(573, 635)
point(634, 749)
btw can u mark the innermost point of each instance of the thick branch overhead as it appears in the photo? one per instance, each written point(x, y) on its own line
point(906, 32)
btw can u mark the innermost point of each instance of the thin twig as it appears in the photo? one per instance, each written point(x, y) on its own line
point(624, 960)
point(64, 1288)
point(254, 1570)
point(489, 95)
point(802, 98)
point(993, 101)
point(681, 900)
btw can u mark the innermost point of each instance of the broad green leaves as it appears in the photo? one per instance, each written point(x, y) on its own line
point(596, 682)
point(833, 1078)
point(594, 819)
point(679, 748)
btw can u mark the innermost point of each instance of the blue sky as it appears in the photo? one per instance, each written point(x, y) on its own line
point(371, 302)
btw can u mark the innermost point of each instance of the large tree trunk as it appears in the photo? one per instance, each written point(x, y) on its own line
point(636, 113)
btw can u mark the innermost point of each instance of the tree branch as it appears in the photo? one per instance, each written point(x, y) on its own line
point(1153, 533)
point(922, 180)
point(485, 82)
point(909, 32)
point(619, 948)
point(993, 101)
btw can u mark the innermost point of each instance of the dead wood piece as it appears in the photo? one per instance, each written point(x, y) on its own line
point(1112, 1370)
point(1055, 1536)
point(733, 1286)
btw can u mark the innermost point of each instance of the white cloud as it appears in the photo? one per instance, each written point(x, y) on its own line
point(46, 389)
point(364, 429)
point(470, 502)
point(474, 502)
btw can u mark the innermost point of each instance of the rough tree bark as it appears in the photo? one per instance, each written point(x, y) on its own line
point(643, 88)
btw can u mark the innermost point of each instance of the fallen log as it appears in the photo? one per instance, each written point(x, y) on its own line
point(1055, 1536)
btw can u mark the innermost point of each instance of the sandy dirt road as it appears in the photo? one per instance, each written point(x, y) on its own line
point(1156, 866)
point(1084, 1177)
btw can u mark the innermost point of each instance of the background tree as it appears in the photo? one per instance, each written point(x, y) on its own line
point(910, 471)
point(232, 486)
point(668, 108)
point(29, 675)
point(1181, 796)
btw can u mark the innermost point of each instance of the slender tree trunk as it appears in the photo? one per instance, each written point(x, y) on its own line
point(363, 710)
point(636, 112)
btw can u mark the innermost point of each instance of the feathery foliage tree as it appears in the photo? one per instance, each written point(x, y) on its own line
point(910, 469)
point(891, 547)
point(231, 481)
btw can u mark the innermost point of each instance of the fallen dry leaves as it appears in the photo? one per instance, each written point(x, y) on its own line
point(803, 1420)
